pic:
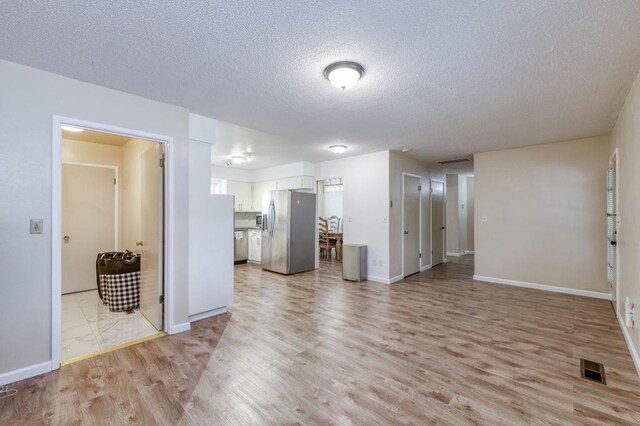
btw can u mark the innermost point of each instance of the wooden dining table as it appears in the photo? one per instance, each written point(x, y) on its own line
point(337, 236)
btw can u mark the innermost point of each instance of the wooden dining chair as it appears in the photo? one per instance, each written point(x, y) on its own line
point(326, 243)
point(334, 224)
point(339, 248)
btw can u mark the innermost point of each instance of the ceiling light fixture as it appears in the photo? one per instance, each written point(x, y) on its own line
point(344, 74)
point(338, 149)
point(238, 159)
point(71, 128)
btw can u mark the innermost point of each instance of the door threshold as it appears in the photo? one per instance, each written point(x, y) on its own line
point(113, 348)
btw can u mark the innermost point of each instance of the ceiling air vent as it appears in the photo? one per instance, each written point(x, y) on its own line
point(457, 160)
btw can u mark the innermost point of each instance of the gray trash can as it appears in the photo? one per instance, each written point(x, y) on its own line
point(354, 262)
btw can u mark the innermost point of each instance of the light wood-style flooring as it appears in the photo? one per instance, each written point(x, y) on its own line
point(313, 349)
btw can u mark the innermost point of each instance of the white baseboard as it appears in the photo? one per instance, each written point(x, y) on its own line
point(179, 328)
point(378, 279)
point(469, 252)
point(207, 314)
point(396, 279)
point(630, 345)
point(425, 268)
point(545, 287)
point(449, 253)
point(25, 373)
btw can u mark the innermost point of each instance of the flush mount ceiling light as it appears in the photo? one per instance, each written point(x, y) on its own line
point(338, 149)
point(71, 128)
point(344, 74)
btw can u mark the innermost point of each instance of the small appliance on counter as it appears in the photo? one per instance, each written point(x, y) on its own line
point(259, 220)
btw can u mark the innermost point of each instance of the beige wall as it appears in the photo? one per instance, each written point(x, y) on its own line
point(470, 212)
point(626, 138)
point(545, 210)
point(131, 194)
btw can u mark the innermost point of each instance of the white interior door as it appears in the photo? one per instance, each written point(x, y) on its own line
point(612, 230)
point(151, 262)
point(88, 223)
point(411, 220)
point(437, 222)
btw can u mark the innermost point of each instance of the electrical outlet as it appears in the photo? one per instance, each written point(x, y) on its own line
point(484, 218)
point(629, 317)
point(385, 219)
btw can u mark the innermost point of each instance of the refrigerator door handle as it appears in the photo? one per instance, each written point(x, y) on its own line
point(272, 218)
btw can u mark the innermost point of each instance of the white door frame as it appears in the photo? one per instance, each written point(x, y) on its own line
point(614, 158)
point(444, 215)
point(116, 175)
point(56, 222)
point(419, 221)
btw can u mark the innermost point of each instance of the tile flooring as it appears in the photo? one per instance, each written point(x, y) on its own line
point(88, 326)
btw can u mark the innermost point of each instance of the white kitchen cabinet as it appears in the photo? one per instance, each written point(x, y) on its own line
point(243, 193)
point(255, 252)
point(296, 182)
point(261, 189)
point(261, 194)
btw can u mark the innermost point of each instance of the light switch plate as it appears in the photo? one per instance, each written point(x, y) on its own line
point(35, 226)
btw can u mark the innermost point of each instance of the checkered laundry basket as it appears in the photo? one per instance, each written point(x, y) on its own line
point(121, 291)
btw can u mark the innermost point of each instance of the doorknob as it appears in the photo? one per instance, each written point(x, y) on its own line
point(139, 243)
point(406, 232)
point(443, 227)
point(66, 239)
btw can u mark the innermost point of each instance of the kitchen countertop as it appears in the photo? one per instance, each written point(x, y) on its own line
point(248, 229)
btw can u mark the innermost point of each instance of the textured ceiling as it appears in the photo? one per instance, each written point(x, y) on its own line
point(444, 78)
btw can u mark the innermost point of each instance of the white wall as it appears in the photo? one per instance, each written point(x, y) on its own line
point(546, 217)
point(29, 99)
point(626, 139)
point(333, 204)
point(210, 240)
point(300, 168)
point(366, 206)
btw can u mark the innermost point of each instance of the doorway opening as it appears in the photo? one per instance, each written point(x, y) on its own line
point(437, 222)
point(612, 228)
point(330, 222)
point(109, 240)
point(411, 224)
point(459, 211)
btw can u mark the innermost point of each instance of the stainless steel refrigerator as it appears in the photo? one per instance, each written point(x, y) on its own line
point(288, 232)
